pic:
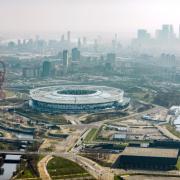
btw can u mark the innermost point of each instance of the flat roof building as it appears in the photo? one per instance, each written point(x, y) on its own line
point(147, 158)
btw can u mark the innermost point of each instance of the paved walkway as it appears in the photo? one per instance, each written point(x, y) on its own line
point(42, 167)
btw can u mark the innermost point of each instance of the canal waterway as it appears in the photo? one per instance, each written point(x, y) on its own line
point(9, 168)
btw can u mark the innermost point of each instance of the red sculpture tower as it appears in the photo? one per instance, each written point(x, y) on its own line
point(2, 78)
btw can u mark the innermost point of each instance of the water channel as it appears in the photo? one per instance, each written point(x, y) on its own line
point(9, 168)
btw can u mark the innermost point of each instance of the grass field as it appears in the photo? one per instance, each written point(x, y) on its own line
point(91, 135)
point(38, 116)
point(173, 130)
point(117, 178)
point(178, 164)
point(60, 168)
point(25, 171)
point(1, 134)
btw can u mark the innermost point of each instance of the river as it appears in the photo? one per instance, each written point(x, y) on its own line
point(9, 168)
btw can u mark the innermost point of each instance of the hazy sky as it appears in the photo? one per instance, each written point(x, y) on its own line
point(123, 16)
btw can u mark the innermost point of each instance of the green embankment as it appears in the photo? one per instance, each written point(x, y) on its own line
point(178, 164)
point(173, 130)
point(26, 170)
point(117, 178)
point(60, 168)
point(91, 135)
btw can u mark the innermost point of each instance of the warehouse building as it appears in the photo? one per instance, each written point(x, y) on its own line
point(147, 158)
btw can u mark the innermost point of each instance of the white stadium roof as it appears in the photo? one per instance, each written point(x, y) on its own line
point(60, 95)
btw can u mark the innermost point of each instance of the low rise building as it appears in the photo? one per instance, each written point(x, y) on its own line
point(147, 158)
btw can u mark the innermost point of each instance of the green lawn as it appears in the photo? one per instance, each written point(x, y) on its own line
point(173, 130)
point(62, 168)
point(91, 135)
point(33, 115)
point(178, 164)
point(27, 172)
point(1, 134)
point(117, 178)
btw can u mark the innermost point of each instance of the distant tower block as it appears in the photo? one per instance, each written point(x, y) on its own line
point(2, 78)
point(69, 36)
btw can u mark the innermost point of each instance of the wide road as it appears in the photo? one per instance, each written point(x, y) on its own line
point(92, 167)
point(140, 114)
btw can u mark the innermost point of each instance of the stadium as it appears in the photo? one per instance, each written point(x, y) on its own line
point(77, 98)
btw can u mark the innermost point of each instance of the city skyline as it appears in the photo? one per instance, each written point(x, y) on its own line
point(123, 17)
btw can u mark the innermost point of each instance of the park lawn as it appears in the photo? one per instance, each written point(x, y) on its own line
point(117, 178)
point(26, 174)
point(178, 163)
point(91, 135)
point(173, 130)
point(63, 168)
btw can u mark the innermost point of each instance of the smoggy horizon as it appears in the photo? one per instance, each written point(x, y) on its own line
point(51, 19)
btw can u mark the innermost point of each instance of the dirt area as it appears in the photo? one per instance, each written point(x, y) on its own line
point(133, 133)
point(48, 145)
point(144, 177)
point(63, 131)
point(135, 122)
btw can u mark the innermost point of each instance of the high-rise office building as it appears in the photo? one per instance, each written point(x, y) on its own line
point(84, 41)
point(65, 58)
point(142, 34)
point(69, 37)
point(46, 71)
point(95, 45)
point(166, 33)
point(29, 72)
point(75, 55)
point(79, 43)
point(62, 38)
point(19, 43)
point(111, 58)
point(114, 42)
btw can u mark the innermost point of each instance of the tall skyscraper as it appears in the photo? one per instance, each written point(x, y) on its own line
point(166, 33)
point(95, 45)
point(84, 41)
point(62, 38)
point(46, 71)
point(79, 43)
point(19, 43)
point(111, 57)
point(115, 37)
point(65, 58)
point(142, 34)
point(75, 55)
point(69, 37)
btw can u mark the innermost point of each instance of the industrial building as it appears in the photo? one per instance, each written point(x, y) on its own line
point(147, 158)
